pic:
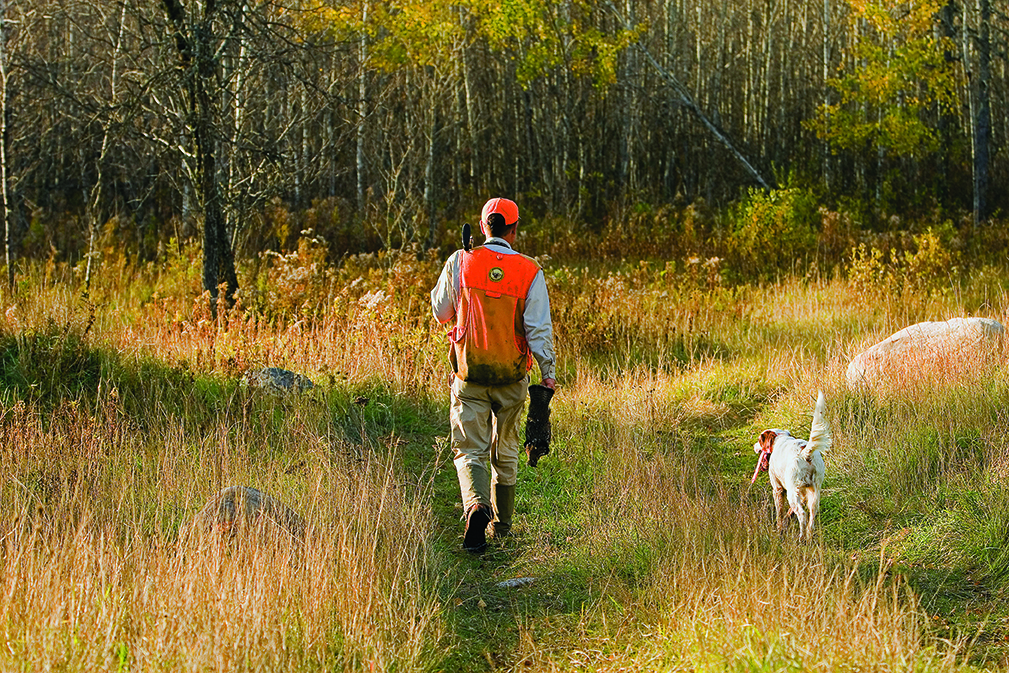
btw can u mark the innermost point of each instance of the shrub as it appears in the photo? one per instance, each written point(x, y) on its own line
point(925, 265)
point(838, 234)
point(771, 230)
point(296, 283)
point(932, 263)
point(868, 274)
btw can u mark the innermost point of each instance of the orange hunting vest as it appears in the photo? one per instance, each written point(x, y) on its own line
point(488, 341)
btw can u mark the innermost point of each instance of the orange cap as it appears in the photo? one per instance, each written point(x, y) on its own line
point(506, 208)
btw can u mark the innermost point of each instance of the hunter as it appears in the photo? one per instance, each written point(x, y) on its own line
point(498, 301)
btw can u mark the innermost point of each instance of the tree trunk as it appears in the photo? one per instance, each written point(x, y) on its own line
point(688, 102)
point(5, 147)
point(825, 149)
point(982, 122)
point(946, 120)
point(237, 101)
point(429, 180)
point(94, 201)
point(472, 117)
point(362, 112)
point(5, 195)
point(196, 50)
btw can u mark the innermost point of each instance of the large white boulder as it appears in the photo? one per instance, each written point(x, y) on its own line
point(929, 352)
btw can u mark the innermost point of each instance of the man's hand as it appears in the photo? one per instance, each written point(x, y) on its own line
point(549, 383)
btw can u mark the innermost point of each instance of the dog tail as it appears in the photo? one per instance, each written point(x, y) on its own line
point(819, 434)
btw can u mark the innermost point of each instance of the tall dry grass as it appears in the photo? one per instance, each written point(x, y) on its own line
point(663, 373)
point(99, 571)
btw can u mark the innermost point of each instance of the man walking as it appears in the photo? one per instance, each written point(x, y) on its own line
point(499, 301)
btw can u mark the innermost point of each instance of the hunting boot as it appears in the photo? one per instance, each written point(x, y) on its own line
point(503, 500)
point(475, 538)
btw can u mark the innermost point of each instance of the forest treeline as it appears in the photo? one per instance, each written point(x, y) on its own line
point(383, 124)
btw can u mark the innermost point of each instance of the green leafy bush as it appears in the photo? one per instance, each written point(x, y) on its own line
point(772, 230)
point(926, 265)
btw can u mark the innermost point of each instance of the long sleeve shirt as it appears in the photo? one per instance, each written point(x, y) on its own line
point(535, 317)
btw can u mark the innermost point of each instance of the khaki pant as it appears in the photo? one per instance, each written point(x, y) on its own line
point(485, 431)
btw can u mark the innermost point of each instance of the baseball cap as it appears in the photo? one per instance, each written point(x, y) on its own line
point(506, 208)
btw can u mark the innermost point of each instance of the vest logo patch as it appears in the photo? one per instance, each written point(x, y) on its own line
point(496, 274)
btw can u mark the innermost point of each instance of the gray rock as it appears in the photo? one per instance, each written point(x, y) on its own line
point(240, 508)
point(929, 352)
point(275, 379)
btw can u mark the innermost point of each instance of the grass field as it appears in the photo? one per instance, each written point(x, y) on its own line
point(120, 416)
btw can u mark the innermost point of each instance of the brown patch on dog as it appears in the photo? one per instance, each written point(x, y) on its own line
point(766, 443)
point(766, 440)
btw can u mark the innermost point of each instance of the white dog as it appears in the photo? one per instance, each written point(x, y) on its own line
point(796, 469)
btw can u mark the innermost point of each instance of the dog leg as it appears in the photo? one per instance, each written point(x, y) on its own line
point(795, 500)
point(813, 503)
point(779, 507)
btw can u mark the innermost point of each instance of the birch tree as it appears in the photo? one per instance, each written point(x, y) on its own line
point(5, 195)
point(979, 85)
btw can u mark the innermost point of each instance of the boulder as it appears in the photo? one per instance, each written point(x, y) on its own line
point(929, 352)
point(239, 508)
point(277, 380)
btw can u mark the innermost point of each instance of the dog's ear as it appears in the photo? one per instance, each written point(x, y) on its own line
point(766, 440)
